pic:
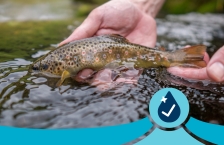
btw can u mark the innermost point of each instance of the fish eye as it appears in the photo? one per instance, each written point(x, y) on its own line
point(44, 66)
point(35, 67)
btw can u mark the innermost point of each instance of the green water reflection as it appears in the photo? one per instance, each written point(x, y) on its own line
point(22, 39)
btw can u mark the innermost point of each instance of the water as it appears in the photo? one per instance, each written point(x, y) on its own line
point(34, 101)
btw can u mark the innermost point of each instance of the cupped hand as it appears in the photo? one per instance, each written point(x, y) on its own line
point(214, 70)
point(115, 17)
point(118, 17)
point(107, 78)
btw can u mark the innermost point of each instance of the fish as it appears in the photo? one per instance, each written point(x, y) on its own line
point(112, 50)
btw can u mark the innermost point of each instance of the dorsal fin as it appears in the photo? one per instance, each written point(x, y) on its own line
point(118, 36)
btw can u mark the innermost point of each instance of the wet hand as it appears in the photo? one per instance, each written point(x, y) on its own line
point(214, 70)
point(118, 17)
point(115, 17)
point(107, 78)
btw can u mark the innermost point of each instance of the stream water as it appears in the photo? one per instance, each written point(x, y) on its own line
point(30, 30)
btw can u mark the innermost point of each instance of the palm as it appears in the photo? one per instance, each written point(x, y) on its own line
point(117, 17)
point(127, 21)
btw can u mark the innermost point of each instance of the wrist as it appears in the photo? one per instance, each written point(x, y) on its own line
point(150, 7)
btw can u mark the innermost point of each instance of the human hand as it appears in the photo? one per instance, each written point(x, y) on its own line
point(118, 17)
point(214, 70)
point(107, 78)
point(115, 17)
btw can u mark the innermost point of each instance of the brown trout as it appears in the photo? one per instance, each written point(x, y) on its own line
point(99, 52)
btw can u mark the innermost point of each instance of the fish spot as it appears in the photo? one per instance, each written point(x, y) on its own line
point(72, 46)
point(83, 53)
point(142, 56)
point(60, 63)
point(104, 56)
point(70, 54)
point(97, 59)
point(118, 56)
point(126, 52)
point(110, 51)
point(75, 58)
point(67, 57)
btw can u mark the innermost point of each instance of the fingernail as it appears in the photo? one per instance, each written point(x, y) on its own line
point(216, 71)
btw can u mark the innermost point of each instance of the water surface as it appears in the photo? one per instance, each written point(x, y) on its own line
point(34, 101)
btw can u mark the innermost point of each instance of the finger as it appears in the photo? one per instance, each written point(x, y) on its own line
point(215, 68)
point(206, 57)
point(126, 80)
point(87, 29)
point(187, 46)
point(108, 31)
point(190, 73)
point(103, 76)
point(144, 34)
point(83, 75)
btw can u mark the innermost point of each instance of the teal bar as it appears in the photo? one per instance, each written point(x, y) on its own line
point(211, 132)
point(109, 135)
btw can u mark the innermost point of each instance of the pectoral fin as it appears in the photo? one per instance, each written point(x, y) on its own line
point(112, 65)
point(65, 74)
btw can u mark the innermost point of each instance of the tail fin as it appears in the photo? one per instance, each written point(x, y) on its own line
point(189, 57)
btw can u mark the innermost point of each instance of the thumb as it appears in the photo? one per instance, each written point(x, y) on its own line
point(87, 29)
point(215, 68)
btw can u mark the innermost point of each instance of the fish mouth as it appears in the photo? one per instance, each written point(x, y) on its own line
point(35, 67)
